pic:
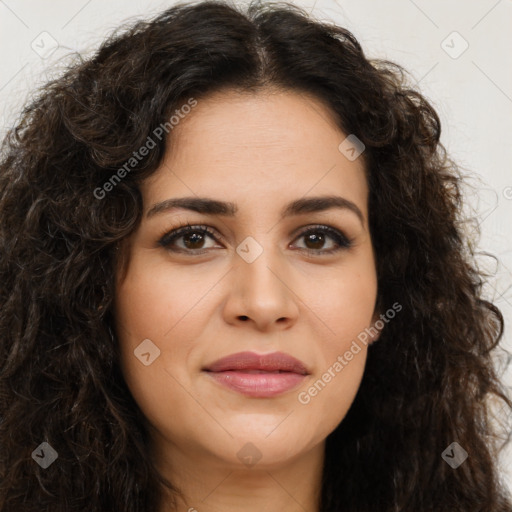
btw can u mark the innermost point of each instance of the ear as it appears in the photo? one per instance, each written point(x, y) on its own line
point(376, 317)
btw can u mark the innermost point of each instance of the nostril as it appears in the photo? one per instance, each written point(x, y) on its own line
point(243, 317)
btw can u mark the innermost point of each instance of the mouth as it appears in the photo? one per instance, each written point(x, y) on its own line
point(258, 376)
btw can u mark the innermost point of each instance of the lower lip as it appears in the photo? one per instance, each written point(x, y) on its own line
point(260, 385)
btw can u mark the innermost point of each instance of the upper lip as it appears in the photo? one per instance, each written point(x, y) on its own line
point(252, 361)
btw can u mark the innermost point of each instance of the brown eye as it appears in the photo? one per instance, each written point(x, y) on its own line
point(315, 238)
point(192, 239)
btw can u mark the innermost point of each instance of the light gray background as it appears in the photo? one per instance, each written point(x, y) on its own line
point(471, 88)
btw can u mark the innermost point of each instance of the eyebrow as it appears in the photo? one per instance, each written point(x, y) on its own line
point(209, 206)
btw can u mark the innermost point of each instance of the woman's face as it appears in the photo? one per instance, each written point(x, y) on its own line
point(263, 281)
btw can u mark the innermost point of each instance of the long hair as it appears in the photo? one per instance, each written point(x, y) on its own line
point(430, 381)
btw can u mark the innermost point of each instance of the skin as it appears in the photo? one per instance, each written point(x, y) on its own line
point(261, 151)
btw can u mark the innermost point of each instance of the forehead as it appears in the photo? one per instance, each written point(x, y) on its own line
point(280, 144)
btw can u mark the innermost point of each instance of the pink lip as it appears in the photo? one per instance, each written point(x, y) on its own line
point(258, 375)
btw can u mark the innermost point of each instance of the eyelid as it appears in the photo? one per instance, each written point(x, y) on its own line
point(338, 235)
point(342, 241)
point(174, 233)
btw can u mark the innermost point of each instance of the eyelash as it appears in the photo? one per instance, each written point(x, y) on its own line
point(170, 236)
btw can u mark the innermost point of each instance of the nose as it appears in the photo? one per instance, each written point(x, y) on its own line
point(262, 293)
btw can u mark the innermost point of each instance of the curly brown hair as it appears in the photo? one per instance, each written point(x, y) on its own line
point(429, 380)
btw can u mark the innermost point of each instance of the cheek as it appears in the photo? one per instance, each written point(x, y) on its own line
point(164, 307)
point(344, 307)
point(152, 381)
point(343, 303)
point(153, 302)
